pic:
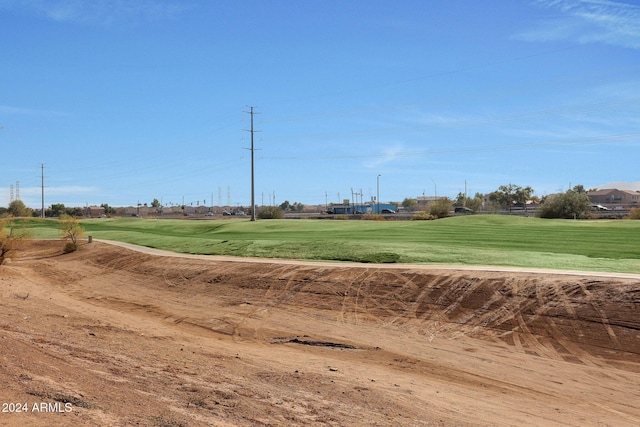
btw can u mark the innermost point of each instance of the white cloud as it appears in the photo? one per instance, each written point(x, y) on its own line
point(8, 109)
point(68, 190)
point(70, 195)
point(388, 155)
point(101, 13)
point(589, 21)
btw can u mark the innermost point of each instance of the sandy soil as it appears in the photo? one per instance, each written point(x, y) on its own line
point(112, 337)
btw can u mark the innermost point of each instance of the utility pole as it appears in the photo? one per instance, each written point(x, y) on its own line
point(378, 193)
point(42, 189)
point(253, 195)
point(353, 206)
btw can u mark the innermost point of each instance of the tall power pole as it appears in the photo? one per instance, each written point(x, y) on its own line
point(253, 186)
point(42, 189)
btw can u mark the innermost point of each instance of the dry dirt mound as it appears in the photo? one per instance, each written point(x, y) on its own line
point(123, 338)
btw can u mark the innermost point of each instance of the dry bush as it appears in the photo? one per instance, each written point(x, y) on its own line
point(10, 240)
point(634, 214)
point(423, 216)
point(373, 217)
point(71, 230)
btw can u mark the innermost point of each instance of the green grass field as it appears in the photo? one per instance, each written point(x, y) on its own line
point(611, 245)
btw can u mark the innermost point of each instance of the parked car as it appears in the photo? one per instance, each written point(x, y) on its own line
point(600, 208)
point(387, 211)
point(462, 210)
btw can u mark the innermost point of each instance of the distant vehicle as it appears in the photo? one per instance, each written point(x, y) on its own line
point(600, 208)
point(240, 213)
point(462, 210)
point(387, 211)
point(225, 213)
point(209, 214)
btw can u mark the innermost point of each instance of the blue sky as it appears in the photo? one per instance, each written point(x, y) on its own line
point(127, 101)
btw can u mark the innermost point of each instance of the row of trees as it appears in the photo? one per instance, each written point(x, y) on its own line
point(17, 208)
point(574, 203)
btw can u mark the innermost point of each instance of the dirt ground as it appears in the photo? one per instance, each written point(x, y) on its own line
point(109, 336)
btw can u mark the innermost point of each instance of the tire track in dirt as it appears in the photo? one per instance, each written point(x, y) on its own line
point(533, 313)
point(603, 317)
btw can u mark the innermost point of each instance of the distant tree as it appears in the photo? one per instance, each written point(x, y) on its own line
point(579, 188)
point(56, 210)
point(508, 195)
point(108, 210)
point(285, 206)
point(18, 209)
point(441, 208)
point(474, 203)
point(298, 207)
point(271, 212)
point(523, 195)
point(409, 203)
point(71, 231)
point(569, 205)
point(77, 212)
point(156, 204)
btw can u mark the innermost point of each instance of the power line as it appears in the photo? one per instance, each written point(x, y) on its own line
point(480, 148)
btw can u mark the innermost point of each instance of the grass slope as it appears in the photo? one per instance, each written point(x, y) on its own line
point(472, 240)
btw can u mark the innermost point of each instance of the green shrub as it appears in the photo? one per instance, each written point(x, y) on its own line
point(569, 205)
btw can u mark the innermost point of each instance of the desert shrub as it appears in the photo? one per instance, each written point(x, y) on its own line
point(634, 214)
point(271, 212)
point(422, 216)
point(10, 240)
point(70, 247)
point(373, 217)
point(70, 230)
point(441, 208)
point(341, 217)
